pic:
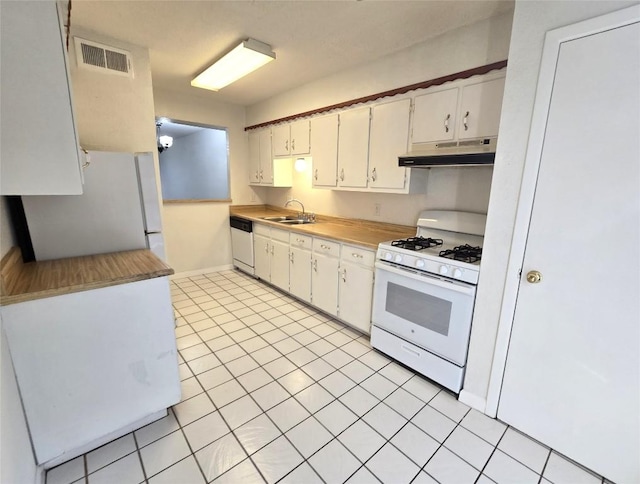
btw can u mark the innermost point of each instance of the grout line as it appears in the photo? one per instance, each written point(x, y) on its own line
point(135, 441)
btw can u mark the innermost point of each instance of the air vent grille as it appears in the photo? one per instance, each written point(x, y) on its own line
point(103, 58)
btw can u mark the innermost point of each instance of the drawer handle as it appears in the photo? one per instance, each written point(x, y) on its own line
point(300, 241)
point(410, 350)
point(325, 247)
point(357, 256)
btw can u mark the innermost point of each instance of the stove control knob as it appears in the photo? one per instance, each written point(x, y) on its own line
point(457, 273)
point(420, 263)
point(398, 258)
point(444, 270)
point(388, 256)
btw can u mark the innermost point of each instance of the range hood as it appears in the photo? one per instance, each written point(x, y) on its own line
point(477, 152)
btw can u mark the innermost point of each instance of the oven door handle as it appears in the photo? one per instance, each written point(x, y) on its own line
point(456, 286)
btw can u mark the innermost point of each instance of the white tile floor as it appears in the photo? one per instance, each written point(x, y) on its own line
point(275, 391)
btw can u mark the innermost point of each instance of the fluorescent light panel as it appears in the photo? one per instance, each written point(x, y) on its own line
point(242, 60)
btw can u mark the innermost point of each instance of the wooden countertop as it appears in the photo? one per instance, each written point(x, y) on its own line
point(22, 282)
point(352, 231)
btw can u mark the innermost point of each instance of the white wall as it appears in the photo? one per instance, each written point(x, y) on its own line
point(197, 234)
point(448, 188)
point(17, 462)
point(532, 19)
point(196, 166)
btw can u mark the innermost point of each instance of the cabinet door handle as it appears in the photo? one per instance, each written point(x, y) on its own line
point(261, 176)
point(465, 121)
point(357, 256)
point(266, 248)
point(286, 145)
point(315, 265)
point(446, 123)
point(291, 257)
point(272, 250)
point(315, 176)
point(342, 174)
point(374, 175)
point(344, 275)
point(293, 144)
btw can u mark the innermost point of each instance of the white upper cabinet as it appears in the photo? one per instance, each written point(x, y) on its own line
point(263, 169)
point(434, 117)
point(291, 139)
point(324, 142)
point(388, 139)
point(39, 150)
point(480, 109)
point(353, 148)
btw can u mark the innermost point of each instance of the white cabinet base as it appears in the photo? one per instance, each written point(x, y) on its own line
point(92, 364)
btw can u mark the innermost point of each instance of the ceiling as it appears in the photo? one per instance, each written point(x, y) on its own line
point(311, 39)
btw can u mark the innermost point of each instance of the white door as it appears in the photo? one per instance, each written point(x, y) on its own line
point(353, 148)
point(324, 283)
point(434, 116)
point(480, 109)
point(324, 150)
point(388, 139)
point(281, 140)
point(262, 246)
point(299, 137)
point(354, 296)
point(266, 159)
point(572, 378)
point(254, 157)
point(300, 273)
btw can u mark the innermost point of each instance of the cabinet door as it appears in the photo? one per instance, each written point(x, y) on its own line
point(254, 157)
point(281, 140)
point(280, 264)
point(355, 296)
point(300, 137)
point(39, 151)
point(480, 109)
point(388, 139)
point(300, 273)
point(262, 248)
point(353, 148)
point(434, 116)
point(266, 159)
point(324, 283)
point(324, 151)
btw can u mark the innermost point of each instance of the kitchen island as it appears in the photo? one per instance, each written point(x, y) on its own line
point(93, 348)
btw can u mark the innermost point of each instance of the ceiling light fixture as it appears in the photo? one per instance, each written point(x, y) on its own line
point(242, 60)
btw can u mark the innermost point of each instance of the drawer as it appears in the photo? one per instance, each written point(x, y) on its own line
point(281, 235)
point(301, 241)
point(358, 255)
point(328, 247)
point(262, 230)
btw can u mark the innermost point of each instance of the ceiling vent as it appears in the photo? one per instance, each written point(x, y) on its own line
point(103, 58)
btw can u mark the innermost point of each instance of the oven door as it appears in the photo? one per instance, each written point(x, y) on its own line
point(428, 311)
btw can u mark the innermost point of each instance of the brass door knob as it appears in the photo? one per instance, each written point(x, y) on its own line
point(533, 277)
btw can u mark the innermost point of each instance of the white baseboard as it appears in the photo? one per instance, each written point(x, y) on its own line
point(199, 272)
point(474, 401)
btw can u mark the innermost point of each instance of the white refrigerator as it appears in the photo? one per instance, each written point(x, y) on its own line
point(118, 210)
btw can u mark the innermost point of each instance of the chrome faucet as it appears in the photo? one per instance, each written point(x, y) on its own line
point(295, 200)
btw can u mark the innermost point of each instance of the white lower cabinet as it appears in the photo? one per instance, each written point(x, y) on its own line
point(271, 248)
point(324, 275)
point(300, 267)
point(355, 284)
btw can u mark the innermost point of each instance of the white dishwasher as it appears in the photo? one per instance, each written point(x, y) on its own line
point(242, 243)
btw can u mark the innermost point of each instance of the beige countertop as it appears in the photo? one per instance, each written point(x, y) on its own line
point(22, 282)
point(365, 233)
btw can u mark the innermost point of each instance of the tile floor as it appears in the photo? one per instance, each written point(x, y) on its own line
point(275, 391)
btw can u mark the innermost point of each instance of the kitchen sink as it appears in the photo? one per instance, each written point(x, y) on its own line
point(288, 219)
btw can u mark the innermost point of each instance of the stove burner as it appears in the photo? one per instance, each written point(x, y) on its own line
point(416, 243)
point(463, 253)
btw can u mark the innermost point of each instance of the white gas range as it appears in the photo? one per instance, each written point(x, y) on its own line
point(424, 295)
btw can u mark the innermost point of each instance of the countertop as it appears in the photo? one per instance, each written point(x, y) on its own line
point(35, 280)
point(364, 233)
